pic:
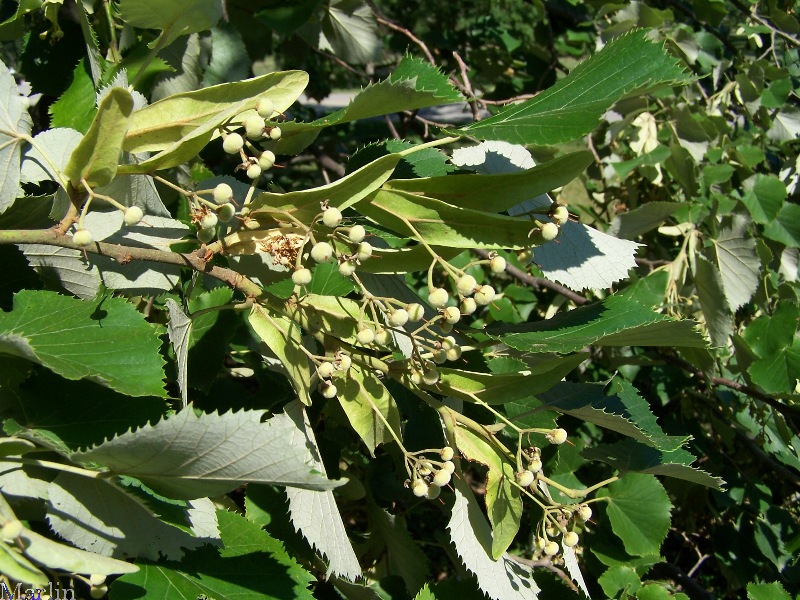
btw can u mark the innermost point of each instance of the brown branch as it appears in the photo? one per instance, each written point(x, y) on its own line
point(785, 409)
point(473, 102)
point(422, 46)
point(537, 282)
point(126, 254)
point(546, 564)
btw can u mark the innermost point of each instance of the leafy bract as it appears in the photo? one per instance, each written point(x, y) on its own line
point(96, 157)
point(173, 17)
point(471, 535)
point(107, 341)
point(189, 456)
point(99, 516)
point(617, 321)
point(251, 564)
point(639, 511)
point(284, 339)
point(314, 513)
point(503, 499)
point(497, 192)
point(441, 224)
point(179, 126)
point(627, 66)
point(15, 125)
point(341, 194)
point(368, 405)
point(414, 84)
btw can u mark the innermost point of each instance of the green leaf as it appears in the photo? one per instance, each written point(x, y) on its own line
point(173, 17)
point(414, 84)
point(251, 564)
point(494, 388)
point(734, 254)
point(229, 60)
point(639, 511)
point(190, 456)
point(14, 565)
point(627, 66)
point(97, 515)
point(617, 321)
point(767, 591)
point(497, 192)
point(341, 194)
point(74, 338)
point(365, 400)
point(428, 162)
point(211, 334)
point(765, 199)
point(768, 334)
point(785, 125)
point(785, 227)
point(778, 373)
point(179, 126)
point(327, 281)
point(15, 122)
point(284, 338)
point(502, 579)
point(96, 157)
point(442, 224)
point(14, 26)
point(619, 579)
point(631, 456)
point(76, 107)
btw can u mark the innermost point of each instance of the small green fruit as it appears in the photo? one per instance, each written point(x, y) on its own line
point(448, 342)
point(560, 215)
point(365, 336)
point(419, 488)
point(557, 436)
point(226, 212)
point(254, 127)
point(570, 539)
point(433, 492)
point(327, 389)
point(468, 306)
point(301, 277)
point(438, 297)
point(449, 466)
point(325, 369)
point(265, 108)
point(364, 251)
point(452, 315)
point(133, 214)
point(440, 357)
point(98, 591)
point(266, 160)
point(254, 171)
point(454, 353)
point(584, 512)
point(11, 530)
point(430, 377)
point(415, 312)
point(321, 251)
point(347, 268)
point(399, 317)
point(497, 264)
point(466, 285)
point(441, 477)
point(447, 453)
point(206, 235)
point(535, 465)
point(383, 337)
point(525, 478)
point(344, 361)
point(209, 221)
point(82, 237)
point(357, 234)
point(233, 143)
point(97, 579)
point(332, 217)
point(223, 193)
point(551, 548)
point(485, 295)
point(275, 133)
point(549, 232)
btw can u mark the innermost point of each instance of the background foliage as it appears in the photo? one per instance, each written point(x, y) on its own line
point(701, 172)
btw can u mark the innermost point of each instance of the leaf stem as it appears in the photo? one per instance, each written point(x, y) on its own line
point(47, 464)
point(571, 493)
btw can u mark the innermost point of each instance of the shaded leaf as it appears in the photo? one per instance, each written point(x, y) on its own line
point(718, 317)
point(179, 330)
point(734, 254)
point(630, 225)
point(96, 515)
point(48, 158)
point(173, 17)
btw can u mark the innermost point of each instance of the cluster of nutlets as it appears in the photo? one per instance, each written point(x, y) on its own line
point(429, 476)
